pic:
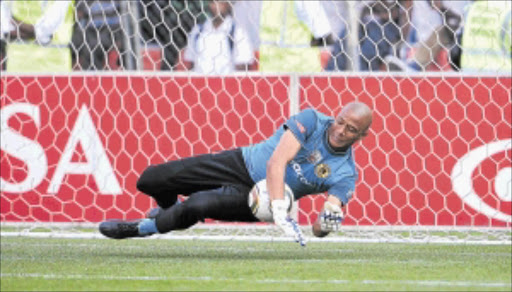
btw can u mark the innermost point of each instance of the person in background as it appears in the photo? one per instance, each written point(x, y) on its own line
point(218, 46)
point(96, 32)
point(48, 23)
point(166, 24)
point(293, 36)
point(379, 34)
point(486, 44)
point(338, 14)
point(11, 28)
point(247, 14)
point(434, 26)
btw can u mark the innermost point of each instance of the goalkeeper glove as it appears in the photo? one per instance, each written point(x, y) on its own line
point(287, 224)
point(331, 217)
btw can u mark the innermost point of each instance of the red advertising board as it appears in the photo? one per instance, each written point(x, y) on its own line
point(438, 153)
point(126, 123)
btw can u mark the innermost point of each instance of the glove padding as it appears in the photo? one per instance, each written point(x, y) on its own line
point(331, 217)
point(287, 224)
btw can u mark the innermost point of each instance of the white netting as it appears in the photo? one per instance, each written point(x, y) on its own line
point(437, 162)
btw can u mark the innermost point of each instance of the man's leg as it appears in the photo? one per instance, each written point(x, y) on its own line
point(228, 203)
point(218, 186)
point(164, 182)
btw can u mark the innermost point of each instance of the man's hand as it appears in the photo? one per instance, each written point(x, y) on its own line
point(331, 217)
point(42, 32)
point(50, 21)
point(287, 224)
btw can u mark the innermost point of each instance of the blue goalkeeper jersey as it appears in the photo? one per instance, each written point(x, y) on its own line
point(317, 167)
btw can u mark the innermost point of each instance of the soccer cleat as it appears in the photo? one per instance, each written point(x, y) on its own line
point(118, 229)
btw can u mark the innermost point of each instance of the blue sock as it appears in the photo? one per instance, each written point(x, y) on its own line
point(147, 227)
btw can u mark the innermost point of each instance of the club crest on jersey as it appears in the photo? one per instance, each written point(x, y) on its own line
point(322, 170)
point(315, 157)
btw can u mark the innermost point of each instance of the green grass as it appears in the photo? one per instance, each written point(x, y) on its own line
point(29, 264)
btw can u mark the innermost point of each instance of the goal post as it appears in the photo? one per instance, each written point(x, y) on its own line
point(436, 160)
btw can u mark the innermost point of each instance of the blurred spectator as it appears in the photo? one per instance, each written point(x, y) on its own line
point(218, 46)
point(49, 23)
point(338, 14)
point(167, 24)
point(486, 44)
point(11, 28)
point(379, 34)
point(246, 13)
point(292, 33)
point(97, 31)
point(434, 27)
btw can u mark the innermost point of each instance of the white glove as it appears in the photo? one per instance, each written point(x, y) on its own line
point(331, 217)
point(287, 224)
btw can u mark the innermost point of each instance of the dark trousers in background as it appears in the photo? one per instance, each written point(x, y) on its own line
point(91, 46)
point(3, 55)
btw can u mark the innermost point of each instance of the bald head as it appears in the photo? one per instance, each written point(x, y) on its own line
point(362, 114)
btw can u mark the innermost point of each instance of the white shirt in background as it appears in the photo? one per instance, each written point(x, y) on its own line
point(6, 24)
point(210, 51)
point(425, 19)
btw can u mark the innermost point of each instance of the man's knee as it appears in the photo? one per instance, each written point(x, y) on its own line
point(148, 180)
point(197, 206)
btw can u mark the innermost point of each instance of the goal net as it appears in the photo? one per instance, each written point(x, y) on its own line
point(153, 81)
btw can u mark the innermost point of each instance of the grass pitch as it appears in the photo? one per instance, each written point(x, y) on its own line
point(29, 264)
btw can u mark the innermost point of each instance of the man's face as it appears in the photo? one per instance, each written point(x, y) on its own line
point(347, 128)
point(219, 8)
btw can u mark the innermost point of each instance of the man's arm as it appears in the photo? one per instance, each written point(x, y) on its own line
point(334, 205)
point(24, 31)
point(285, 151)
point(50, 21)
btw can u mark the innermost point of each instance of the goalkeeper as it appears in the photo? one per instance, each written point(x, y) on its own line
point(311, 152)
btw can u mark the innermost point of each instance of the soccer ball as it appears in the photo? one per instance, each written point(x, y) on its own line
point(259, 201)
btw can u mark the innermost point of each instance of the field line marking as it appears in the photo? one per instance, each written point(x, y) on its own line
point(296, 281)
point(254, 238)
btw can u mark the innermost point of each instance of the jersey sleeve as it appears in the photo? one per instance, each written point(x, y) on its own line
point(302, 124)
point(344, 189)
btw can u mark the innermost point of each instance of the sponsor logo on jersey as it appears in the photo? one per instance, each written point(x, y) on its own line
point(298, 171)
point(322, 170)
